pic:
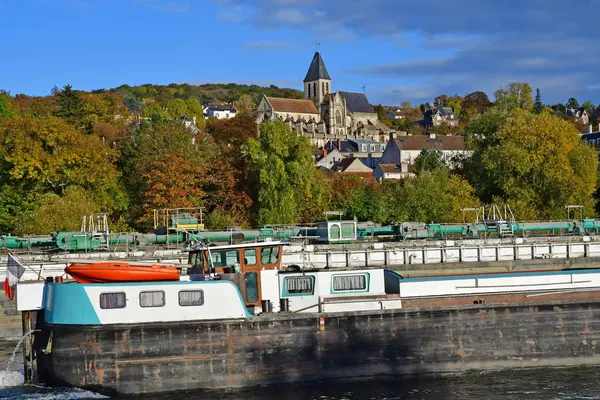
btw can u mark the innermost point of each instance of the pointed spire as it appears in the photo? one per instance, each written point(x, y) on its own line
point(317, 69)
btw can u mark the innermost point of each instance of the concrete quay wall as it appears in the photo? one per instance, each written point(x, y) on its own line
point(291, 348)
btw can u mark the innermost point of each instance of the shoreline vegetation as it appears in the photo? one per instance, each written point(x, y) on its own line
point(127, 151)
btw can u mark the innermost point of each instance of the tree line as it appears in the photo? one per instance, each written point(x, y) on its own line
point(73, 153)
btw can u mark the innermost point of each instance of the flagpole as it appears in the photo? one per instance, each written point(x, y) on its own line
point(25, 266)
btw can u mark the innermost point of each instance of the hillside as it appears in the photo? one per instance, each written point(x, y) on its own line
point(206, 93)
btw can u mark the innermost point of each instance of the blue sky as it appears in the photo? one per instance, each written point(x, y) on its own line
point(399, 50)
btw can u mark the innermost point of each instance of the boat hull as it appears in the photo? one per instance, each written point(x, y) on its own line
point(148, 358)
point(107, 272)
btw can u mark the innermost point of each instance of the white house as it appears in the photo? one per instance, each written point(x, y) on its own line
point(330, 159)
point(393, 171)
point(220, 111)
point(405, 149)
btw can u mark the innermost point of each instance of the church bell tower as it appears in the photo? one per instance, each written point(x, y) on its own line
point(317, 82)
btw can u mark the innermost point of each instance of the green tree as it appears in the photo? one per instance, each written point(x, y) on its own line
point(538, 106)
point(283, 173)
point(432, 196)
point(194, 108)
point(155, 113)
point(572, 103)
point(429, 160)
point(455, 102)
point(382, 115)
point(7, 107)
point(71, 107)
point(535, 163)
point(133, 104)
point(589, 106)
point(59, 213)
point(177, 108)
point(514, 95)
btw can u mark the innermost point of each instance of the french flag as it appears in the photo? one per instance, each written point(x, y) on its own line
point(14, 272)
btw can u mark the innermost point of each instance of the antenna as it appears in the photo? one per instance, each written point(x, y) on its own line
point(363, 88)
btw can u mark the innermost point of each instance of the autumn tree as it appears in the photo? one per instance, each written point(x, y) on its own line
point(478, 100)
point(282, 170)
point(158, 162)
point(535, 163)
point(514, 95)
point(245, 103)
point(52, 154)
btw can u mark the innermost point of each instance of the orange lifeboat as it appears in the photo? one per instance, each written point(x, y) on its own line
point(109, 272)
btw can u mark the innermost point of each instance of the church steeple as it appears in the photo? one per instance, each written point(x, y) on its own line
point(317, 82)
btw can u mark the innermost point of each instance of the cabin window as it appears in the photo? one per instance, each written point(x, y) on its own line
point(343, 283)
point(251, 287)
point(224, 258)
point(191, 298)
point(270, 255)
point(250, 257)
point(152, 299)
point(112, 300)
point(295, 285)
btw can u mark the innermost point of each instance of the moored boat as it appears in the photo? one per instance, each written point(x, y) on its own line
point(234, 319)
point(106, 272)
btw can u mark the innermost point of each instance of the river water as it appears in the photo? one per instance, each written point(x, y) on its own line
point(532, 384)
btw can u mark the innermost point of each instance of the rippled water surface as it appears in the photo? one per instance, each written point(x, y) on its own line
point(543, 383)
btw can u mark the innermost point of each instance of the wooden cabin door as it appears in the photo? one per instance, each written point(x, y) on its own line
point(250, 267)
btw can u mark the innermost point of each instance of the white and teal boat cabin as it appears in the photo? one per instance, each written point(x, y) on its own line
point(213, 298)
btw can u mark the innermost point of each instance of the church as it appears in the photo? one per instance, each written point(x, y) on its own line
point(323, 114)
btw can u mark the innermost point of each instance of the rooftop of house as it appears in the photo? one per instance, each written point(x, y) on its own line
point(317, 69)
point(357, 102)
point(446, 112)
point(396, 168)
point(441, 142)
point(220, 107)
point(299, 106)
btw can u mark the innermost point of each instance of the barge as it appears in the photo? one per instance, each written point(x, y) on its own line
point(235, 318)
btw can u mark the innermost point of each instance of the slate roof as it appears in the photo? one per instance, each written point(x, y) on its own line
point(317, 69)
point(344, 164)
point(357, 102)
point(440, 142)
point(445, 112)
point(293, 105)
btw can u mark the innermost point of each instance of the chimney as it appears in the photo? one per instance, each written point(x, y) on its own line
point(590, 129)
point(339, 145)
point(325, 152)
